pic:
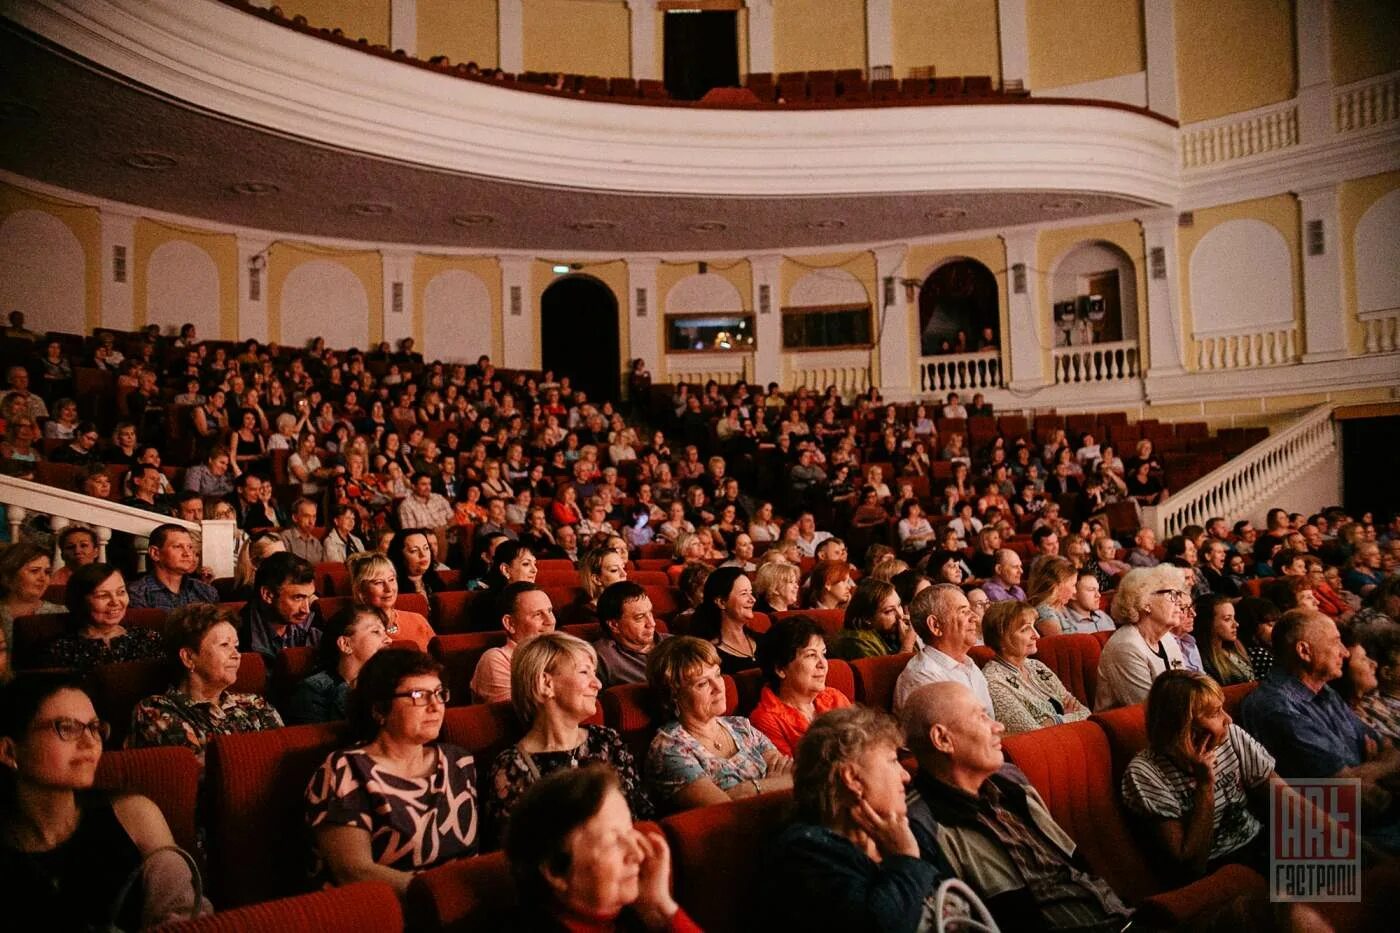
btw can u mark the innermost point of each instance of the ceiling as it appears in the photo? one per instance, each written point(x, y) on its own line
point(69, 124)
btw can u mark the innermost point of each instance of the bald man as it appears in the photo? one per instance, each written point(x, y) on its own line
point(943, 618)
point(1005, 582)
point(967, 798)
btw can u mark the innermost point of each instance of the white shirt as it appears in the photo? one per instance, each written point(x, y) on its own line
point(1127, 668)
point(809, 548)
point(933, 666)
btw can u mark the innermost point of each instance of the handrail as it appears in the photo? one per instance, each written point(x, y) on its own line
point(1232, 490)
point(22, 496)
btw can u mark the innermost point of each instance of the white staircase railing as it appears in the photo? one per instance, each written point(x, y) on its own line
point(23, 498)
point(1238, 488)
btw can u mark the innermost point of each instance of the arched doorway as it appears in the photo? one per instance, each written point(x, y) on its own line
point(957, 303)
point(578, 335)
point(1093, 294)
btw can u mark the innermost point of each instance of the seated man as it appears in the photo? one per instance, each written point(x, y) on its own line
point(170, 583)
point(943, 618)
point(299, 539)
point(1005, 582)
point(525, 611)
point(1144, 543)
point(279, 614)
point(992, 825)
point(630, 633)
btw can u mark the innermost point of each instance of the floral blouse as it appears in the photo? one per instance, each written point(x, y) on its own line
point(413, 823)
point(513, 772)
point(173, 718)
point(1030, 702)
point(83, 654)
point(677, 759)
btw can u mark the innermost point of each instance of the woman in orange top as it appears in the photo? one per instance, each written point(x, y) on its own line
point(792, 656)
point(375, 585)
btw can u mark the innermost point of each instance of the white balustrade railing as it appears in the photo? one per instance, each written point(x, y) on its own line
point(1366, 103)
point(1238, 488)
point(958, 372)
point(1096, 362)
point(64, 507)
point(1380, 330)
point(850, 379)
point(1239, 136)
point(1249, 349)
point(725, 371)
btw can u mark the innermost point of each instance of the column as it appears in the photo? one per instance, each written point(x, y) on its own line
point(892, 319)
point(760, 36)
point(643, 330)
point(397, 276)
point(1015, 53)
point(1312, 38)
point(1021, 346)
point(879, 34)
point(1159, 29)
point(768, 324)
point(1324, 322)
point(1164, 336)
point(519, 330)
point(643, 19)
point(252, 288)
point(510, 35)
point(118, 307)
point(403, 25)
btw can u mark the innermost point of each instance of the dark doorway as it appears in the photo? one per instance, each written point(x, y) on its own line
point(578, 335)
point(702, 51)
point(1369, 468)
point(957, 302)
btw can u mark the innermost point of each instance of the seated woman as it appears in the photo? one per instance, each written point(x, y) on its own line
point(1026, 694)
point(374, 584)
point(351, 638)
point(793, 658)
point(829, 585)
point(580, 864)
point(411, 552)
point(25, 572)
point(1050, 589)
point(701, 756)
point(201, 640)
point(876, 624)
point(598, 569)
point(67, 850)
point(1256, 618)
point(1358, 685)
point(851, 860)
point(776, 586)
point(1198, 776)
point(398, 801)
point(724, 616)
point(506, 562)
point(1217, 636)
point(97, 604)
point(554, 689)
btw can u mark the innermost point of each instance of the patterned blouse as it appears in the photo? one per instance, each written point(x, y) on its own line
point(513, 772)
point(173, 718)
point(677, 759)
point(1024, 703)
point(83, 654)
point(413, 823)
point(1381, 711)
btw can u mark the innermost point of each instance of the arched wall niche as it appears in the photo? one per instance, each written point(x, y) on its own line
point(827, 287)
point(1376, 247)
point(959, 294)
point(1241, 276)
point(707, 292)
point(43, 272)
point(182, 286)
point(1095, 268)
point(321, 298)
point(456, 317)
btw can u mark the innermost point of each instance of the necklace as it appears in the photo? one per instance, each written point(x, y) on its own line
point(744, 652)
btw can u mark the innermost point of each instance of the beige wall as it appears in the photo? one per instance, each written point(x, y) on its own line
point(957, 37)
point(463, 30)
point(1355, 197)
point(356, 18)
point(589, 37)
point(367, 266)
point(1365, 38)
point(817, 34)
point(1073, 41)
point(1233, 55)
point(86, 226)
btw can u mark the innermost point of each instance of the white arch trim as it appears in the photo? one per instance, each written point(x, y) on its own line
point(1241, 279)
point(43, 272)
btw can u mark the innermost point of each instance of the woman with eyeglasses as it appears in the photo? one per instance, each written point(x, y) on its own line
point(66, 850)
point(398, 801)
point(1149, 604)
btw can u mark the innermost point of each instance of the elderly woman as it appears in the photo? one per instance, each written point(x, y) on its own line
point(1026, 694)
point(792, 656)
point(851, 860)
point(1196, 780)
point(598, 569)
point(724, 617)
point(202, 642)
point(1217, 636)
point(25, 572)
point(398, 801)
point(701, 756)
point(374, 584)
point(1149, 604)
point(351, 638)
point(876, 624)
point(776, 586)
point(829, 585)
point(554, 689)
point(97, 604)
point(1049, 590)
point(580, 864)
point(67, 850)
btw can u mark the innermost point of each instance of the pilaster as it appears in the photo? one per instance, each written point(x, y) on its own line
point(1015, 48)
point(1165, 340)
point(643, 334)
point(118, 302)
point(760, 35)
point(1324, 322)
point(1159, 32)
point(1023, 345)
point(253, 288)
point(879, 34)
point(519, 314)
point(768, 318)
point(894, 375)
point(643, 21)
point(510, 35)
point(400, 317)
point(403, 25)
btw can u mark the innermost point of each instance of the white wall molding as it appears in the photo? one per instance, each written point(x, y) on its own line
point(1015, 43)
point(403, 25)
point(1357, 372)
point(1159, 29)
point(510, 35)
point(642, 23)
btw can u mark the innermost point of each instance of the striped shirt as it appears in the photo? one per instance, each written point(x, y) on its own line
point(1157, 787)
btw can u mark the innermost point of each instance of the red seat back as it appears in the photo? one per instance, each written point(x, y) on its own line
point(749, 684)
point(665, 601)
point(291, 667)
point(168, 776)
point(329, 606)
point(629, 709)
point(981, 654)
point(1075, 660)
point(147, 618)
point(483, 729)
point(830, 620)
point(117, 688)
point(367, 905)
point(875, 679)
point(465, 894)
point(452, 611)
point(32, 635)
point(332, 580)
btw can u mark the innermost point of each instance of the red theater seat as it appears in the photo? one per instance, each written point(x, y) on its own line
point(117, 688)
point(291, 667)
point(1075, 660)
point(875, 679)
point(452, 611)
point(467, 894)
point(368, 905)
point(830, 620)
point(665, 601)
point(169, 776)
point(749, 684)
point(458, 654)
point(628, 708)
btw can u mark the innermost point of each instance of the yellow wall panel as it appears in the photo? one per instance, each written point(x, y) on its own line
point(817, 34)
point(1233, 55)
point(149, 235)
point(463, 30)
point(86, 224)
point(486, 268)
point(957, 37)
point(367, 265)
point(1354, 199)
point(1365, 38)
point(1073, 41)
point(589, 37)
point(356, 18)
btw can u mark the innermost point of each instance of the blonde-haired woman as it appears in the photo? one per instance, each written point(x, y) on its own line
point(777, 585)
point(598, 569)
point(1049, 590)
point(374, 583)
point(1149, 604)
point(554, 689)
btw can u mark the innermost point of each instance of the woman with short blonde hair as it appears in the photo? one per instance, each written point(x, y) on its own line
point(1049, 590)
point(374, 582)
point(1149, 604)
point(776, 585)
